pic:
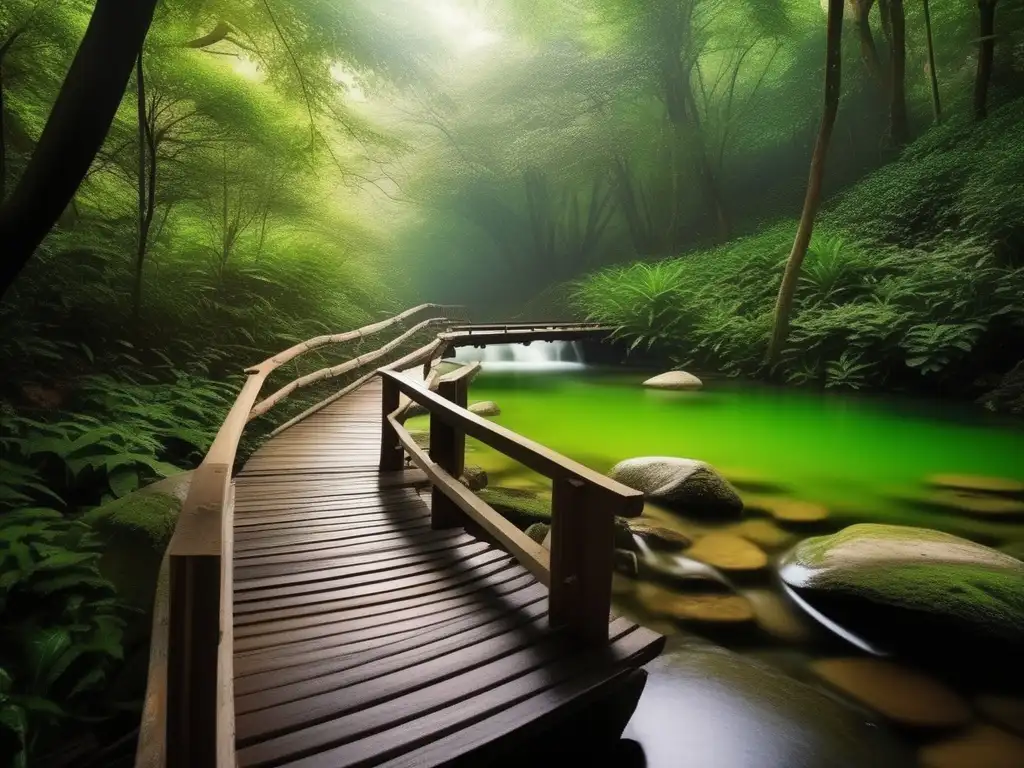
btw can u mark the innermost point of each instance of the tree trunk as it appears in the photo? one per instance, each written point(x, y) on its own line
point(868, 49)
point(986, 51)
point(75, 129)
point(933, 76)
point(833, 79)
point(140, 251)
point(898, 130)
point(883, 11)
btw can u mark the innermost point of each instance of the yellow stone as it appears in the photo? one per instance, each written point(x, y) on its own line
point(977, 483)
point(710, 608)
point(776, 617)
point(787, 510)
point(1007, 711)
point(764, 533)
point(901, 694)
point(980, 746)
point(979, 505)
point(728, 552)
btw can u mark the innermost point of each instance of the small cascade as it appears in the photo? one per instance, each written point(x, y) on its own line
point(536, 356)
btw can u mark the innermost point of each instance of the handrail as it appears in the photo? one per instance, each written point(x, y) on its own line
point(188, 717)
point(583, 508)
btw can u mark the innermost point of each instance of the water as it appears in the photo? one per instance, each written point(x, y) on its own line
point(536, 357)
point(864, 457)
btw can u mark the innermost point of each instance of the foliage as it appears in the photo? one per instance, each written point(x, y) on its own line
point(60, 629)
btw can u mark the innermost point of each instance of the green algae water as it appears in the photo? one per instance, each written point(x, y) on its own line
point(862, 458)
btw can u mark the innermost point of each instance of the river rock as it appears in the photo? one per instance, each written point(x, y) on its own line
point(683, 573)
point(764, 533)
point(914, 589)
point(980, 745)
point(977, 483)
point(903, 695)
point(787, 510)
point(657, 537)
point(729, 553)
point(776, 617)
point(685, 485)
point(711, 608)
point(977, 504)
point(708, 707)
point(485, 408)
point(677, 380)
point(473, 477)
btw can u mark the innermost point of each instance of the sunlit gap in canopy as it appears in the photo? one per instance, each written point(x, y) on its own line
point(536, 357)
point(464, 26)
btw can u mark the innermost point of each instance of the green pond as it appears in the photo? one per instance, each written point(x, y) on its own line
point(852, 457)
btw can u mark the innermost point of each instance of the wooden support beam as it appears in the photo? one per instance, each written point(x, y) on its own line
point(391, 459)
point(582, 542)
point(448, 451)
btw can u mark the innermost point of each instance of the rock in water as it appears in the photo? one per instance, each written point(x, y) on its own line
point(679, 380)
point(473, 477)
point(485, 408)
point(915, 589)
point(688, 486)
point(657, 537)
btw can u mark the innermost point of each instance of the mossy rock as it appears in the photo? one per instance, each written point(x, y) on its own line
point(520, 507)
point(657, 537)
point(135, 531)
point(473, 477)
point(684, 485)
point(913, 589)
point(675, 380)
point(485, 408)
point(538, 532)
point(711, 608)
point(903, 695)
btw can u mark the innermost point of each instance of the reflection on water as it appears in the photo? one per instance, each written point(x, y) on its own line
point(805, 463)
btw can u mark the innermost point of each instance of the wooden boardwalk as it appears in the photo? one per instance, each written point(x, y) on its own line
point(362, 636)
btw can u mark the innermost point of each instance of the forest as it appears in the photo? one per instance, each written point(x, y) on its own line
point(825, 195)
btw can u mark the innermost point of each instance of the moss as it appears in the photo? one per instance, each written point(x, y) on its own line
point(538, 532)
point(520, 507)
point(136, 530)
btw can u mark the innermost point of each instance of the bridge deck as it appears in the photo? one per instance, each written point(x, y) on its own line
point(364, 637)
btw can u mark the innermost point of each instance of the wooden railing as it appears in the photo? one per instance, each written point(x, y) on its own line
point(578, 570)
point(188, 715)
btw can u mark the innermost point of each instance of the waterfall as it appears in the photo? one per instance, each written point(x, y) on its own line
point(536, 356)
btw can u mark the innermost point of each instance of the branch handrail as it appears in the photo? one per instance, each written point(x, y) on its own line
point(584, 503)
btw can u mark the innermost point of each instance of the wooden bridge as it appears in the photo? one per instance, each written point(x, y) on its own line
point(346, 601)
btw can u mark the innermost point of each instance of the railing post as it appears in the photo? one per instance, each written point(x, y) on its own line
point(448, 451)
point(391, 455)
point(582, 540)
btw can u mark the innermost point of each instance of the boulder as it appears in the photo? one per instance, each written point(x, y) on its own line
point(473, 477)
point(677, 380)
point(913, 589)
point(485, 408)
point(657, 537)
point(685, 485)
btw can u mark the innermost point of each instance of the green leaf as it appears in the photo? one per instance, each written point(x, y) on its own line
point(123, 481)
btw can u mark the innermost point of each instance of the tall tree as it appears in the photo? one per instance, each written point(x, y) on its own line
point(986, 51)
point(868, 49)
point(812, 200)
point(933, 76)
point(899, 132)
point(75, 130)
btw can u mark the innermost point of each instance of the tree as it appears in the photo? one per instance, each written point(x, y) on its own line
point(75, 130)
point(986, 51)
point(812, 200)
point(899, 132)
point(933, 76)
point(868, 49)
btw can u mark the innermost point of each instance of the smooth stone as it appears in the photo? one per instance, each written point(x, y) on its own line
point(976, 504)
point(764, 533)
point(787, 510)
point(708, 707)
point(976, 483)
point(659, 538)
point(677, 380)
point(903, 695)
point(776, 617)
point(980, 746)
point(684, 573)
point(685, 485)
point(916, 590)
point(703, 608)
point(728, 552)
point(1005, 711)
point(485, 408)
